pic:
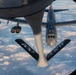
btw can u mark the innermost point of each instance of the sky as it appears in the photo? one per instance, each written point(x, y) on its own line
point(15, 61)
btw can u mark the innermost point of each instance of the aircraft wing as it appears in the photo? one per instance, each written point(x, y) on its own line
point(60, 24)
point(44, 24)
point(67, 23)
point(14, 19)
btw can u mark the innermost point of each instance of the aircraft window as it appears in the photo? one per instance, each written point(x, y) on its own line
point(48, 36)
point(50, 30)
point(53, 36)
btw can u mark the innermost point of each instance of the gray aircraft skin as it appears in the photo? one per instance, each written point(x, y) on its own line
point(20, 8)
point(51, 32)
point(32, 11)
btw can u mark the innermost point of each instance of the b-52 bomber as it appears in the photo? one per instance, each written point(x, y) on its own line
point(32, 11)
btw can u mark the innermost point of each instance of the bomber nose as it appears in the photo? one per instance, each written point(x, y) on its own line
point(51, 42)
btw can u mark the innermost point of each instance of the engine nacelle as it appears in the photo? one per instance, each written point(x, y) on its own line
point(51, 35)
